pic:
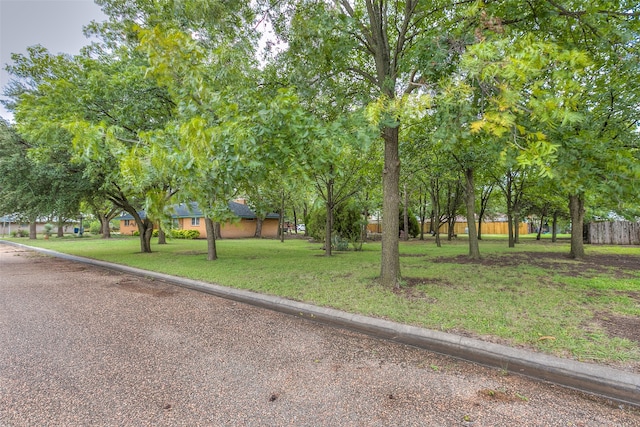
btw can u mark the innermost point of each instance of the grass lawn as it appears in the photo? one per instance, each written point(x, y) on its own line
point(532, 296)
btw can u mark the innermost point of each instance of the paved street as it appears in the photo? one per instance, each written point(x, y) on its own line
point(81, 345)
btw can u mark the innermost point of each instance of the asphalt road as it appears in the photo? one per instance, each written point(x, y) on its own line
point(85, 346)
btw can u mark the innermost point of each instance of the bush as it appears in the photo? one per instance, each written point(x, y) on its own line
point(339, 244)
point(20, 233)
point(47, 229)
point(184, 234)
point(315, 224)
point(95, 227)
point(414, 227)
point(348, 222)
point(347, 226)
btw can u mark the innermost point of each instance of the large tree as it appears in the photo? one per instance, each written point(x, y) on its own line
point(36, 185)
point(368, 43)
point(596, 145)
point(102, 99)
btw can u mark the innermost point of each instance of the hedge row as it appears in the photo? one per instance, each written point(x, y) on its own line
point(176, 234)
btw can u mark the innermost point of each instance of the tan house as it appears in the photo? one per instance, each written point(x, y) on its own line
point(190, 217)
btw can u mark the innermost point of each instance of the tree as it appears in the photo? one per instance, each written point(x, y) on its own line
point(34, 184)
point(594, 128)
point(336, 169)
point(368, 43)
point(103, 101)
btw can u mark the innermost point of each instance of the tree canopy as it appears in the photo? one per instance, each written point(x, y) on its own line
point(175, 102)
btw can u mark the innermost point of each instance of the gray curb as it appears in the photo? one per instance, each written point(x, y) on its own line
point(594, 379)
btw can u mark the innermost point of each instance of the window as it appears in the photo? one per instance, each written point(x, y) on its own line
point(195, 222)
point(127, 222)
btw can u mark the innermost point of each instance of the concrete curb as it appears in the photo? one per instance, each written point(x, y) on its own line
point(590, 378)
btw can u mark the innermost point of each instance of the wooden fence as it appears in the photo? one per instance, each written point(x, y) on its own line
point(487, 228)
point(614, 233)
point(461, 228)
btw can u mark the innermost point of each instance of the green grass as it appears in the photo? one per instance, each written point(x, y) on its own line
point(543, 301)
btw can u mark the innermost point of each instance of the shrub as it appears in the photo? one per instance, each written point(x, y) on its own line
point(348, 222)
point(20, 233)
point(339, 244)
point(316, 223)
point(95, 227)
point(185, 234)
point(47, 229)
point(347, 226)
point(414, 227)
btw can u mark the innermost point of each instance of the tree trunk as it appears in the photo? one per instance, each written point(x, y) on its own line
point(145, 236)
point(105, 219)
point(484, 202)
point(508, 193)
point(516, 226)
point(162, 237)
point(452, 226)
point(328, 224)
point(259, 221)
point(305, 216)
point(106, 229)
point(512, 243)
point(576, 209)
point(538, 236)
point(365, 224)
point(60, 228)
point(423, 213)
point(145, 229)
point(431, 223)
point(474, 249)
point(390, 263)
point(554, 232)
point(282, 218)
point(405, 215)
point(435, 215)
point(212, 253)
point(32, 230)
point(327, 230)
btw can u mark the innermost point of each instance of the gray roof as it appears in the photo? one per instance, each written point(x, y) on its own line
point(191, 210)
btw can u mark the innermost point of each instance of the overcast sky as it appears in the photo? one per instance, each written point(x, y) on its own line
point(55, 24)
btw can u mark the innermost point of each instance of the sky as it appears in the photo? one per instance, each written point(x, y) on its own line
point(54, 24)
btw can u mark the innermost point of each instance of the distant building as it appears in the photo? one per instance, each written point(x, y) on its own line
point(190, 217)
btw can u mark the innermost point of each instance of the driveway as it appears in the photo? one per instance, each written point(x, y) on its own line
point(81, 345)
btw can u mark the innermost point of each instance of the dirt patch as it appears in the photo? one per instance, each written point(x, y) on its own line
point(619, 326)
point(142, 287)
point(410, 292)
point(499, 396)
point(619, 266)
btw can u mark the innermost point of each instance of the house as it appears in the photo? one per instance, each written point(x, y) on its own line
point(190, 217)
point(12, 223)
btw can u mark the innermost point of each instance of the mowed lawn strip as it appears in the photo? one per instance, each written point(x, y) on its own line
point(532, 296)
